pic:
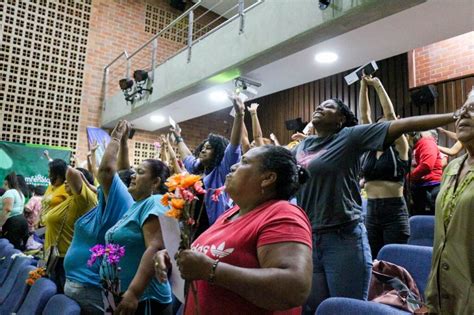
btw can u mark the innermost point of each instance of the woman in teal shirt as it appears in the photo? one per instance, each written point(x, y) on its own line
point(13, 223)
point(139, 231)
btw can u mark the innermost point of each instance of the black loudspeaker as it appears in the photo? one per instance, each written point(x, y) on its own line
point(178, 4)
point(295, 124)
point(424, 96)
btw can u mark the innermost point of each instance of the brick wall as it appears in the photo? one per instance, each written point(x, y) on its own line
point(445, 60)
point(115, 26)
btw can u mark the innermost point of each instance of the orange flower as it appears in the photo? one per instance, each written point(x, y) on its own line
point(177, 203)
point(30, 282)
point(189, 180)
point(174, 181)
point(174, 213)
point(165, 200)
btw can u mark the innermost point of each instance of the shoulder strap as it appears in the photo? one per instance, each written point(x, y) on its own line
point(62, 227)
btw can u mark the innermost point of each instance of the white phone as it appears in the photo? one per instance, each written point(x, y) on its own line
point(172, 122)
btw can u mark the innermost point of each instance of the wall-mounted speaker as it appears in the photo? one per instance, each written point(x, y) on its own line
point(424, 96)
point(178, 4)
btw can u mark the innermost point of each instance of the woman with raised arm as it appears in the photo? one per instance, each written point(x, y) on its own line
point(213, 159)
point(56, 191)
point(256, 258)
point(332, 197)
point(60, 220)
point(384, 174)
point(138, 229)
point(12, 222)
point(457, 146)
point(450, 288)
point(83, 282)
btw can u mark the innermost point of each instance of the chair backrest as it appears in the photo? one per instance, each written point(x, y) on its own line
point(4, 246)
point(60, 304)
point(3, 242)
point(421, 230)
point(18, 264)
point(38, 295)
point(18, 293)
point(338, 305)
point(415, 259)
point(6, 263)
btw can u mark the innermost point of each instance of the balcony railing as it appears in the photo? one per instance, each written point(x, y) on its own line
point(181, 34)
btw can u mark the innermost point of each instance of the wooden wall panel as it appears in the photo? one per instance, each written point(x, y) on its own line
point(300, 101)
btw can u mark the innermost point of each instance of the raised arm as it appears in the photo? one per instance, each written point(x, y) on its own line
point(283, 266)
point(74, 180)
point(123, 162)
point(153, 243)
point(275, 139)
point(173, 159)
point(454, 150)
point(416, 123)
point(91, 159)
point(182, 147)
point(364, 105)
point(401, 143)
point(245, 139)
point(164, 153)
point(449, 134)
point(239, 107)
point(108, 165)
point(256, 129)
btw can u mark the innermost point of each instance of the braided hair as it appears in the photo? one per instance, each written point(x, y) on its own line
point(351, 119)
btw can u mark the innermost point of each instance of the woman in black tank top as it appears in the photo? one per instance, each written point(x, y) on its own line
point(384, 173)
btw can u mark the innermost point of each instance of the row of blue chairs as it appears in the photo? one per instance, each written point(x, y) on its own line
point(19, 298)
point(415, 257)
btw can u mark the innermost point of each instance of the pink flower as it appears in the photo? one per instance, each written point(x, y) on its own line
point(198, 188)
point(217, 193)
point(97, 250)
point(187, 195)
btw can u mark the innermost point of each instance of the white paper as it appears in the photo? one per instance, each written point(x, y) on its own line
point(172, 122)
point(171, 238)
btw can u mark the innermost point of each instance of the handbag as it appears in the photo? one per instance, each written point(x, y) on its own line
point(52, 257)
point(393, 285)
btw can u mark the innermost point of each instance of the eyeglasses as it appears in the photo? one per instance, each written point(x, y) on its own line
point(465, 109)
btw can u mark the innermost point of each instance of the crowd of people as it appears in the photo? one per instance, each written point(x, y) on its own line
point(289, 217)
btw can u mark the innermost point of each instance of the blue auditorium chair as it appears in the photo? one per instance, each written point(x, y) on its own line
point(18, 293)
point(4, 246)
point(3, 242)
point(19, 263)
point(61, 305)
point(38, 295)
point(6, 263)
point(415, 259)
point(421, 230)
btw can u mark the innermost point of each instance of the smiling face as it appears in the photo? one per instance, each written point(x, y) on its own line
point(327, 116)
point(207, 154)
point(465, 122)
point(142, 183)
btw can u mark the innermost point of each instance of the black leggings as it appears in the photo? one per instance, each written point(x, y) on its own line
point(15, 230)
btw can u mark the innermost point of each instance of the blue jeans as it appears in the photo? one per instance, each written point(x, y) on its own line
point(342, 265)
point(387, 222)
point(88, 297)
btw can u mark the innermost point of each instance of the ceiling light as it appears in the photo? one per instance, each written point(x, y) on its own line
point(326, 57)
point(218, 96)
point(157, 118)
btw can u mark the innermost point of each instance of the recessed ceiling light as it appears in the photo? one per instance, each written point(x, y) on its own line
point(157, 118)
point(326, 57)
point(218, 96)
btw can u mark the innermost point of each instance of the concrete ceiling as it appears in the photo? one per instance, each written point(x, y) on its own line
point(427, 23)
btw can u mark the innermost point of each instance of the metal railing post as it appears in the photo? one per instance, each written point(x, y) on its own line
point(241, 16)
point(105, 86)
point(129, 64)
point(190, 33)
point(153, 58)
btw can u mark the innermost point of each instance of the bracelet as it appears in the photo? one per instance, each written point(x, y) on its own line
point(179, 139)
point(212, 276)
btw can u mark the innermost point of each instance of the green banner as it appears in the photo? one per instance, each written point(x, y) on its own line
point(29, 160)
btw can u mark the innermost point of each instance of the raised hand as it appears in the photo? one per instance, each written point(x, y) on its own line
point(94, 146)
point(298, 136)
point(253, 108)
point(239, 106)
point(176, 131)
point(120, 130)
point(372, 81)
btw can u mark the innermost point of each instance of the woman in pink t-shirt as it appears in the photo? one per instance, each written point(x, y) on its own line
point(33, 208)
point(256, 258)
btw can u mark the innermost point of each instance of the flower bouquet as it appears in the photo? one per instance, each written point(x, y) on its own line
point(183, 191)
point(108, 258)
point(35, 274)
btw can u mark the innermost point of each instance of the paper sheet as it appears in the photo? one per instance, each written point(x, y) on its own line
point(171, 238)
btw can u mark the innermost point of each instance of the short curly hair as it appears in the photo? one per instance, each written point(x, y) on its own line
point(351, 119)
point(218, 144)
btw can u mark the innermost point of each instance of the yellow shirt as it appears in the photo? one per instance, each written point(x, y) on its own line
point(52, 198)
point(73, 208)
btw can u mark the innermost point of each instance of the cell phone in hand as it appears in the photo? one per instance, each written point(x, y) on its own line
point(131, 133)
